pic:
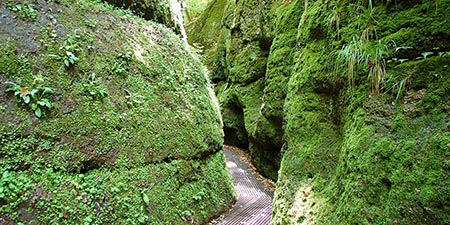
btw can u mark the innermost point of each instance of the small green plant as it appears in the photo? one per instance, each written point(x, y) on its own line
point(134, 99)
point(198, 196)
point(35, 96)
point(25, 11)
point(119, 66)
point(360, 52)
point(334, 20)
point(94, 88)
point(426, 54)
point(397, 85)
point(187, 215)
point(70, 48)
point(377, 66)
point(14, 190)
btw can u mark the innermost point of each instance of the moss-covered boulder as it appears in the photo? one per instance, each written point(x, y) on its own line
point(105, 118)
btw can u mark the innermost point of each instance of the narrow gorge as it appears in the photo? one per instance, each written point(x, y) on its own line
point(117, 111)
point(345, 103)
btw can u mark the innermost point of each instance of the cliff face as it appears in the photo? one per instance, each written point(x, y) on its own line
point(105, 118)
point(238, 63)
point(366, 116)
point(354, 95)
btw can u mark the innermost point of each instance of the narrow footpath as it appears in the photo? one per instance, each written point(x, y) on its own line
point(255, 194)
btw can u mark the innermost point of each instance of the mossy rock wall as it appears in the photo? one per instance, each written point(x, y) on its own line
point(354, 154)
point(133, 134)
point(357, 93)
point(242, 31)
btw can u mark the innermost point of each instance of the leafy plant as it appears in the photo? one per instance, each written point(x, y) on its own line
point(119, 66)
point(14, 190)
point(377, 66)
point(426, 54)
point(134, 99)
point(94, 87)
point(25, 11)
point(187, 215)
point(334, 20)
point(198, 196)
point(397, 84)
point(35, 96)
point(70, 48)
point(358, 53)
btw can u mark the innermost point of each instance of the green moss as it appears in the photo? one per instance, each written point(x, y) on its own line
point(120, 196)
point(351, 153)
point(382, 167)
point(204, 31)
point(137, 154)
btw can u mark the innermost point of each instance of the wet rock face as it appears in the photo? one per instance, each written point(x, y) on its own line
point(104, 117)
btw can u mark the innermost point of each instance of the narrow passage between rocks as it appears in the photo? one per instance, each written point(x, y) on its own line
point(254, 194)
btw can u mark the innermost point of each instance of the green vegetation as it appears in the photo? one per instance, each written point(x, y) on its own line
point(70, 47)
point(347, 96)
point(94, 87)
point(133, 135)
point(25, 11)
point(357, 52)
point(194, 8)
point(115, 196)
point(35, 96)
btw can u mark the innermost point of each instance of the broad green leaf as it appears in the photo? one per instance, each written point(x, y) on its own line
point(26, 99)
point(48, 90)
point(48, 104)
point(13, 88)
point(34, 93)
point(53, 56)
point(141, 219)
point(10, 89)
point(38, 112)
point(146, 198)
point(45, 102)
point(66, 62)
